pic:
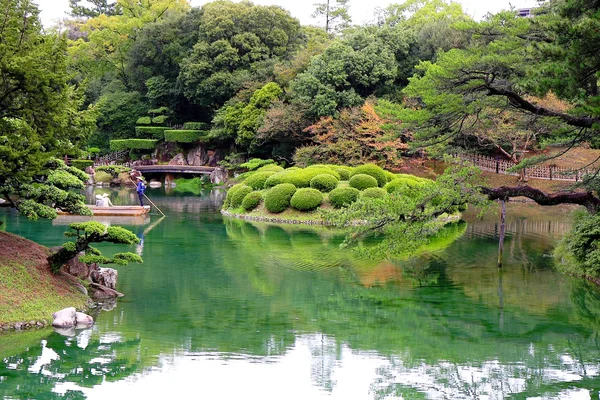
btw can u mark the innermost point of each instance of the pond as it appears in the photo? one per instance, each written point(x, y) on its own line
point(225, 309)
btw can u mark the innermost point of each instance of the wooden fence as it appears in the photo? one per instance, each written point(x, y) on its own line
point(538, 172)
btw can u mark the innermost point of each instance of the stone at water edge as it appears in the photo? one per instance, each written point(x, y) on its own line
point(105, 277)
point(83, 320)
point(65, 318)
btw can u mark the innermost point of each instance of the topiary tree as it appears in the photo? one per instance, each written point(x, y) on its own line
point(363, 181)
point(324, 182)
point(306, 199)
point(343, 196)
point(278, 198)
point(371, 169)
point(85, 233)
point(251, 201)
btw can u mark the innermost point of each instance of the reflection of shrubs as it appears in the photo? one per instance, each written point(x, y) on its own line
point(306, 199)
point(278, 198)
point(363, 181)
point(373, 170)
point(324, 182)
point(251, 201)
point(374, 193)
point(343, 196)
point(238, 196)
point(257, 180)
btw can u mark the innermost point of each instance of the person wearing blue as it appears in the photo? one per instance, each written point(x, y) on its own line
point(140, 188)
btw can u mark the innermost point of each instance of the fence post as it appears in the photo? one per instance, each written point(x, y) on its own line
point(497, 166)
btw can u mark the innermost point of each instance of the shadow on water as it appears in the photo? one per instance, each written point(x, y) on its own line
point(443, 324)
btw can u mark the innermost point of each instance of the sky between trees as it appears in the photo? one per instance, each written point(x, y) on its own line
point(360, 10)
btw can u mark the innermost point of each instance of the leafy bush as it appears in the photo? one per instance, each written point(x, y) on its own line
point(373, 170)
point(298, 177)
point(408, 185)
point(230, 193)
point(306, 199)
point(154, 132)
point(363, 181)
point(238, 196)
point(93, 150)
point(278, 198)
point(390, 176)
point(143, 121)
point(195, 126)
point(343, 196)
point(160, 120)
point(137, 144)
point(578, 252)
point(374, 193)
point(82, 164)
point(257, 180)
point(251, 201)
point(324, 183)
point(344, 172)
point(256, 163)
point(113, 170)
point(185, 136)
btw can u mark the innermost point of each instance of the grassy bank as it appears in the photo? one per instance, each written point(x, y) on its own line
point(29, 292)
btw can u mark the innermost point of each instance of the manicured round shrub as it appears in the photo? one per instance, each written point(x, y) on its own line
point(230, 193)
point(270, 168)
point(344, 172)
point(343, 196)
point(319, 166)
point(306, 199)
point(278, 198)
point(363, 181)
point(373, 170)
point(374, 193)
point(297, 177)
point(390, 176)
point(324, 182)
point(257, 180)
point(238, 196)
point(251, 201)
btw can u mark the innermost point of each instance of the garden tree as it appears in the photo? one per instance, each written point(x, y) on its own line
point(155, 57)
point(95, 8)
point(361, 64)
point(238, 43)
point(86, 233)
point(109, 38)
point(354, 136)
point(335, 14)
point(40, 116)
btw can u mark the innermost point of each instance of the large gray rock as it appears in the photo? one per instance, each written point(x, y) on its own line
point(65, 318)
point(218, 176)
point(105, 277)
point(197, 156)
point(179, 159)
point(83, 320)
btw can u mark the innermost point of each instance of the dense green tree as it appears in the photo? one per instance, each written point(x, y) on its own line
point(334, 13)
point(40, 116)
point(238, 42)
point(96, 8)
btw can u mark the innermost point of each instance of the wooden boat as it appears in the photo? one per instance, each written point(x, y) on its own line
point(137, 220)
point(116, 211)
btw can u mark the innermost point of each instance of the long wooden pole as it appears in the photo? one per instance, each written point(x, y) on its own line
point(148, 198)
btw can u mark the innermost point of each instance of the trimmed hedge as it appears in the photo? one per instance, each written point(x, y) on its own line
point(238, 196)
point(363, 181)
point(251, 201)
point(374, 193)
point(257, 180)
point(371, 169)
point(133, 144)
point(343, 196)
point(82, 164)
point(160, 120)
point(155, 132)
point(298, 177)
point(184, 136)
point(143, 121)
point(306, 199)
point(324, 183)
point(278, 198)
point(195, 126)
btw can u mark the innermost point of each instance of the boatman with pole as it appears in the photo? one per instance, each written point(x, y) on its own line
point(140, 188)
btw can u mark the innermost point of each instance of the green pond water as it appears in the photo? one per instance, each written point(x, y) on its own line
point(225, 309)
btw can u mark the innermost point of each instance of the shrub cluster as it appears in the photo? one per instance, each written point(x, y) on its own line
point(306, 199)
point(132, 144)
point(257, 180)
point(324, 183)
point(256, 163)
point(238, 195)
point(195, 126)
point(278, 198)
point(270, 168)
point(408, 185)
point(343, 196)
point(185, 136)
point(154, 132)
point(251, 201)
point(298, 177)
point(82, 164)
point(373, 170)
point(363, 181)
point(374, 193)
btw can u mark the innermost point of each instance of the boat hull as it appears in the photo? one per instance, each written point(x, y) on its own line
point(117, 211)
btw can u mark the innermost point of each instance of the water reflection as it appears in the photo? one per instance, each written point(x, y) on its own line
point(282, 312)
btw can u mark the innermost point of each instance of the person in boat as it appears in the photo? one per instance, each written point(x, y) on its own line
point(140, 188)
point(99, 200)
point(107, 202)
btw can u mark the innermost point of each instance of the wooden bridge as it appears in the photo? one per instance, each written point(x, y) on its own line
point(175, 169)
